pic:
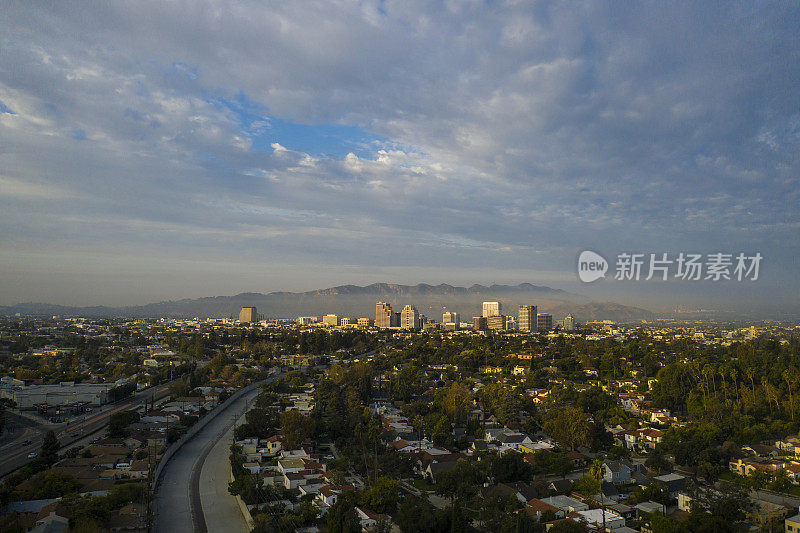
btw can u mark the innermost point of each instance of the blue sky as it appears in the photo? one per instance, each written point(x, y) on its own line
point(319, 140)
point(151, 151)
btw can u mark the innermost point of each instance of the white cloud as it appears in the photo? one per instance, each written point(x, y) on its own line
point(524, 126)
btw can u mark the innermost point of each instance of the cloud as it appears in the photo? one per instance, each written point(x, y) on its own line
point(428, 128)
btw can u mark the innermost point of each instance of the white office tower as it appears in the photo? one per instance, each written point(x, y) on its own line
point(450, 317)
point(410, 318)
point(491, 309)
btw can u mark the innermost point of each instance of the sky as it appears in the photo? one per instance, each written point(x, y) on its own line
point(162, 150)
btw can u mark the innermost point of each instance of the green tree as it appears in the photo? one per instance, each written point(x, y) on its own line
point(50, 447)
point(117, 422)
point(296, 427)
point(53, 485)
point(568, 426)
point(382, 497)
point(342, 517)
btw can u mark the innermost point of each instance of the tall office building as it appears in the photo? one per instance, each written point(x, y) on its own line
point(450, 317)
point(496, 322)
point(330, 320)
point(384, 317)
point(492, 309)
point(527, 318)
point(479, 323)
point(409, 318)
point(248, 315)
point(569, 323)
point(544, 322)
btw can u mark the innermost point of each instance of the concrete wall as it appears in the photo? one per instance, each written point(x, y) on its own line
point(175, 446)
point(248, 518)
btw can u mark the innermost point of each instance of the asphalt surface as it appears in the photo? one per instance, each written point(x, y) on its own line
point(192, 496)
point(79, 431)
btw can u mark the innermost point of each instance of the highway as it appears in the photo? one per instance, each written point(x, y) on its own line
point(79, 431)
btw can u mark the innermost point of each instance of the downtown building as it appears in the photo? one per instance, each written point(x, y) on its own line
point(450, 317)
point(527, 320)
point(544, 322)
point(492, 309)
point(410, 318)
point(479, 323)
point(330, 320)
point(248, 315)
point(384, 316)
point(496, 323)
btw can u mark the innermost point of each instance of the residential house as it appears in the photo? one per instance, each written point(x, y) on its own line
point(617, 471)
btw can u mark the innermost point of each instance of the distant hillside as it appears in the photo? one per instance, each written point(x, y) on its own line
point(357, 301)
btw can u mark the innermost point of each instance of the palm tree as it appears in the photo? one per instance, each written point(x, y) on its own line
point(791, 377)
point(596, 472)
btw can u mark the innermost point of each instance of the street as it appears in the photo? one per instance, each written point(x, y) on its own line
point(78, 432)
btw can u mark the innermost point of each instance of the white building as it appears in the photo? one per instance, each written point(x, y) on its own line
point(491, 309)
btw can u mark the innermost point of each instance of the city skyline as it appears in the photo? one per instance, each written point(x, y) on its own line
point(155, 152)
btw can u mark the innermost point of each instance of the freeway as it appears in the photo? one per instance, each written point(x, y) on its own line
point(14, 454)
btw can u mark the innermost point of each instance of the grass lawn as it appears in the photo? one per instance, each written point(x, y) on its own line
point(422, 485)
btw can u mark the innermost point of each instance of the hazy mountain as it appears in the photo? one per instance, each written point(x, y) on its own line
point(357, 301)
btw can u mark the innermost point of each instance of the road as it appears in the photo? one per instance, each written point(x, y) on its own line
point(192, 495)
point(14, 454)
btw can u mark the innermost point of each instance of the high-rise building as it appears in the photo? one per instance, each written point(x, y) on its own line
point(346, 321)
point(544, 322)
point(409, 318)
point(479, 323)
point(527, 318)
point(450, 317)
point(330, 320)
point(491, 309)
point(496, 322)
point(306, 320)
point(365, 323)
point(569, 323)
point(384, 316)
point(248, 315)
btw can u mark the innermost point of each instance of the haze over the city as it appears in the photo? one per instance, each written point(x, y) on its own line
point(153, 151)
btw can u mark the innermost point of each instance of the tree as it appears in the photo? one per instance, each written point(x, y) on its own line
point(460, 482)
point(53, 485)
point(50, 447)
point(511, 467)
point(456, 402)
point(417, 515)
point(568, 426)
point(119, 421)
point(567, 526)
point(295, 427)
point(342, 517)
point(382, 497)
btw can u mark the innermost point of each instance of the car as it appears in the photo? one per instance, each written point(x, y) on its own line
point(27, 443)
point(33, 455)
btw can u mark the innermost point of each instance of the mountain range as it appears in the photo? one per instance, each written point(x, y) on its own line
point(358, 301)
